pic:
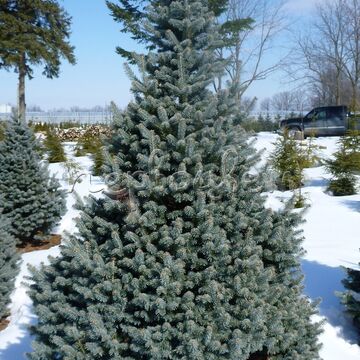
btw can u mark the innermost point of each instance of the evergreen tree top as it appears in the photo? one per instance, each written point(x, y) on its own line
point(174, 113)
point(131, 14)
point(38, 29)
point(18, 138)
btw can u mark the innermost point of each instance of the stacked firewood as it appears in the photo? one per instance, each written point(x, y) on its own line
point(75, 133)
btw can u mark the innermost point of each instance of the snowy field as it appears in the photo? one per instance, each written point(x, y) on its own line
point(332, 240)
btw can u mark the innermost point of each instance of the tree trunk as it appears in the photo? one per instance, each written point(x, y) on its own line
point(337, 94)
point(354, 102)
point(21, 88)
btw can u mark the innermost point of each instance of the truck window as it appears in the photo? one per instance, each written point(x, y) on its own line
point(334, 112)
point(309, 115)
point(320, 115)
point(314, 115)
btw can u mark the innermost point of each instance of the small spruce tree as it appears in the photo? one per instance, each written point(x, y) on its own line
point(288, 161)
point(269, 124)
point(2, 130)
point(184, 261)
point(9, 265)
point(41, 127)
point(310, 153)
point(345, 163)
point(98, 159)
point(32, 199)
point(89, 144)
point(53, 147)
point(85, 144)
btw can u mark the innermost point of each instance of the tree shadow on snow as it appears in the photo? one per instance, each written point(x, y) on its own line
point(321, 282)
point(316, 182)
point(352, 204)
point(18, 348)
point(17, 351)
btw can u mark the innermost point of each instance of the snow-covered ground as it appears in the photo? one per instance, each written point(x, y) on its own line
point(331, 239)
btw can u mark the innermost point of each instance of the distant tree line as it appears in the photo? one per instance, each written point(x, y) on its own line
point(286, 101)
point(75, 108)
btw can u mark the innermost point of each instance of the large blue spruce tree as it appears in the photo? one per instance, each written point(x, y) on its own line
point(9, 265)
point(181, 260)
point(31, 198)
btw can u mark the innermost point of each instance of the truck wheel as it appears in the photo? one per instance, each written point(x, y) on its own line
point(296, 134)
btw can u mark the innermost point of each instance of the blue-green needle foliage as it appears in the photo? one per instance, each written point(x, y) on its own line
point(351, 298)
point(187, 263)
point(9, 265)
point(32, 199)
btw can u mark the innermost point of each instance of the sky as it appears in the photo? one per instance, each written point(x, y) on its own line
point(98, 76)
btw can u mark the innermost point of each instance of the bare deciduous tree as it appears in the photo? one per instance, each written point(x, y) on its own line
point(251, 46)
point(286, 101)
point(283, 101)
point(265, 104)
point(351, 19)
point(327, 57)
point(300, 101)
point(332, 40)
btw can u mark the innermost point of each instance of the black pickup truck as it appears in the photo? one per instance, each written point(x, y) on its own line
point(322, 121)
